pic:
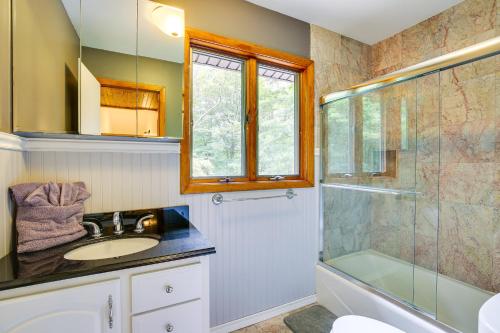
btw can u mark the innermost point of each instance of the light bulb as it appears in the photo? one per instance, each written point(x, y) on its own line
point(170, 20)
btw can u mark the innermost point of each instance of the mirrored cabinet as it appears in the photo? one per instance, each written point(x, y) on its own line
point(98, 67)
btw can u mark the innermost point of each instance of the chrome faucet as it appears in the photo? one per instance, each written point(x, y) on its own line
point(139, 225)
point(96, 231)
point(117, 222)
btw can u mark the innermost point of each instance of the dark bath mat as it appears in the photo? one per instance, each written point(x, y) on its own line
point(314, 319)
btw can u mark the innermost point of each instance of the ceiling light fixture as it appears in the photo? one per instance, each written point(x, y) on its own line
point(170, 20)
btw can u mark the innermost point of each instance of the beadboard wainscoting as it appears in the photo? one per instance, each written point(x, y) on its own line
point(13, 171)
point(266, 249)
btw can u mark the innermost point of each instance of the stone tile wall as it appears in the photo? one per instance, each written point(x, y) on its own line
point(457, 154)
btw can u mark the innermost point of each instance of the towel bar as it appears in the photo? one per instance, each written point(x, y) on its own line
point(217, 198)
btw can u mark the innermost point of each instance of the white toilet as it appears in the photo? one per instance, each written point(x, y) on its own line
point(359, 324)
point(489, 320)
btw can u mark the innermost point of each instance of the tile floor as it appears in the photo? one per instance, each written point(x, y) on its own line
point(273, 325)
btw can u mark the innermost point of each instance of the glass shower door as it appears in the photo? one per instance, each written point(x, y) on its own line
point(370, 154)
point(410, 183)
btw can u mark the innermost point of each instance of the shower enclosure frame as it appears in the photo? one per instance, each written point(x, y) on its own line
point(464, 56)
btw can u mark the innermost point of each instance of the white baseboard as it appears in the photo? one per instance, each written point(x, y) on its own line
point(264, 315)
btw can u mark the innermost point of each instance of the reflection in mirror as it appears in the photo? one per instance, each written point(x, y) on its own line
point(109, 46)
point(160, 61)
point(98, 67)
point(128, 71)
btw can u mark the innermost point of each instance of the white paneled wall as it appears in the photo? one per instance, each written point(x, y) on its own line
point(13, 171)
point(117, 181)
point(266, 249)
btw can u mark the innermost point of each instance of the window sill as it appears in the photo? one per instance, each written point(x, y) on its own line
point(207, 187)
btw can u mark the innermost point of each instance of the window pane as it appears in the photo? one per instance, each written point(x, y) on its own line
point(373, 141)
point(217, 114)
point(278, 144)
point(340, 137)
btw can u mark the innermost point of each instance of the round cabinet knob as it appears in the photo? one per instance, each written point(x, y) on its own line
point(169, 289)
point(169, 328)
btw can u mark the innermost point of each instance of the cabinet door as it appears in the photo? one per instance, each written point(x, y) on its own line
point(93, 308)
point(90, 102)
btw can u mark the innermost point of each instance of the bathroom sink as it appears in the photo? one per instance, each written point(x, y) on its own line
point(489, 320)
point(111, 248)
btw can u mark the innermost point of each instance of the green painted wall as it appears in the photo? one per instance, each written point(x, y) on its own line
point(243, 20)
point(123, 67)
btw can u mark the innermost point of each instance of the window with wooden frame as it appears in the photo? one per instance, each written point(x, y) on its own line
point(248, 117)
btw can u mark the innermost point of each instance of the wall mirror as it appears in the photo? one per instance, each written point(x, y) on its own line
point(98, 67)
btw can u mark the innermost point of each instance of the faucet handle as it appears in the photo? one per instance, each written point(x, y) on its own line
point(96, 231)
point(139, 225)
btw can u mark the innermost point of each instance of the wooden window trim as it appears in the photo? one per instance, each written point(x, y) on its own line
point(253, 54)
point(105, 82)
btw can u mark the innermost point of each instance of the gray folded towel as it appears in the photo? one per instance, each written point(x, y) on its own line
point(48, 214)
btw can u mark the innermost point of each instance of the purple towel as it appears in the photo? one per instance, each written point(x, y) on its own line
point(48, 214)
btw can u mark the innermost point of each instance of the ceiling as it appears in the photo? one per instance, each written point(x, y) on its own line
point(368, 21)
point(123, 26)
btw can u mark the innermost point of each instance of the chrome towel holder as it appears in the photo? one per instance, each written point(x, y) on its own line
point(218, 198)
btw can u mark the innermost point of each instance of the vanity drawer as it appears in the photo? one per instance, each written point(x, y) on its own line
point(183, 318)
point(163, 288)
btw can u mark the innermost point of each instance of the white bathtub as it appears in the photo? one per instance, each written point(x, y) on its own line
point(457, 303)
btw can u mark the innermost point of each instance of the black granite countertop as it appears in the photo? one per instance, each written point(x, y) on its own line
point(179, 239)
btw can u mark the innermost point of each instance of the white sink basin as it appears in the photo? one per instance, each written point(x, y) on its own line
point(489, 316)
point(111, 248)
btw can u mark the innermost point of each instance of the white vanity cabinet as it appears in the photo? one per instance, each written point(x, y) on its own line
point(159, 298)
point(168, 300)
point(84, 309)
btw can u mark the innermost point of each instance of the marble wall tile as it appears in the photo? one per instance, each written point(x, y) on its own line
point(472, 142)
point(340, 63)
point(391, 228)
point(427, 180)
point(497, 23)
point(354, 54)
point(324, 44)
point(467, 23)
point(426, 233)
point(326, 80)
point(422, 42)
point(386, 55)
point(470, 100)
point(428, 100)
point(457, 143)
point(427, 144)
point(468, 183)
point(349, 76)
point(428, 151)
point(472, 70)
point(496, 254)
point(407, 229)
point(346, 220)
point(467, 252)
